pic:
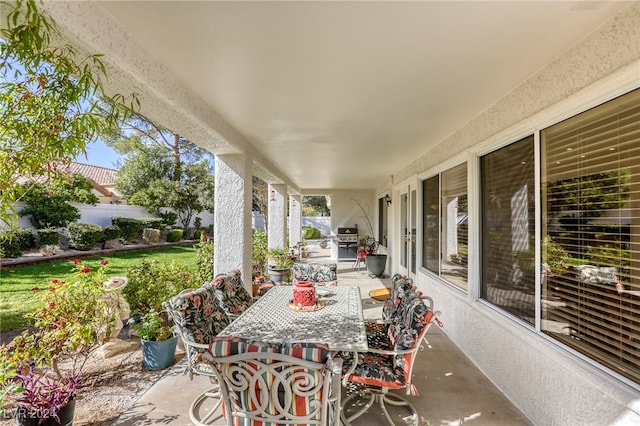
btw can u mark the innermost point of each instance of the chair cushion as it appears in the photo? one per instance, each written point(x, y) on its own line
point(198, 314)
point(323, 273)
point(230, 291)
point(375, 370)
point(406, 329)
point(261, 390)
point(400, 285)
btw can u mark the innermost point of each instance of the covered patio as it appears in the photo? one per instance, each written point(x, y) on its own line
point(452, 390)
point(406, 108)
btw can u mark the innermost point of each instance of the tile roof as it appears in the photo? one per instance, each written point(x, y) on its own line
point(100, 175)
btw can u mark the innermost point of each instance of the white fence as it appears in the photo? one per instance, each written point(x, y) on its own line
point(101, 214)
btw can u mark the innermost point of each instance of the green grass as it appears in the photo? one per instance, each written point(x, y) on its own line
point(16, 284)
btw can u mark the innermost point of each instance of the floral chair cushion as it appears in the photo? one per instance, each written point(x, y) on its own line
point(378, 331)
point(400, 285)
point(199, 317)
point(318, 273)
point(230, 291)
point(375, 369)
point(411, 318)
point(384, 367)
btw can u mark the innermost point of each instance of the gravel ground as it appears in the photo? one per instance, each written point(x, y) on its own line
point(112, 386)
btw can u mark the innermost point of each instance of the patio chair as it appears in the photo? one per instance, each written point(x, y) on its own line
point(229, 289)
point(317, 273)
point(198, 317)
point(380, 370)
point(378, 329)
point(283, 384)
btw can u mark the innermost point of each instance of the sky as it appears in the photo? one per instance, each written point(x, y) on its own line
point(99, 154)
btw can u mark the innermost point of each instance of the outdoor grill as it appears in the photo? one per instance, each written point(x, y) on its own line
point(347, 239)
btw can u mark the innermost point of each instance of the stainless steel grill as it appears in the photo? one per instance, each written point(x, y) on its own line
point(347, 239)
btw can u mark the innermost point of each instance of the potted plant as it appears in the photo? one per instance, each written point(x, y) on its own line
point(157, 339)
point(279, 265)
point(376, 263)
point(44, 364)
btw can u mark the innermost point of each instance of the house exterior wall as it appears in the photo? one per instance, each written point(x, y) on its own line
point(549, 383)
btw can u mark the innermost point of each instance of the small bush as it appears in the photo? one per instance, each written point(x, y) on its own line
point(311, 233)
point(26, 239)
point(151, 236)
point(169, 218)
point(153, 222)
point(9, 246)
point(174, 235)
point(111, 232)
point(259, 251)
point(47, 237)
point(152, 283)
point(205, 258)
point(84, 236)
point(131, 228)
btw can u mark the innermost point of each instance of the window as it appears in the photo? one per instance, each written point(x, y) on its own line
point(445, 245)
point(507, 229)
point(383, 209)
point(591, 224)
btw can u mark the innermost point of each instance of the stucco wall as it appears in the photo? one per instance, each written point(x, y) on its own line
point(551, 385)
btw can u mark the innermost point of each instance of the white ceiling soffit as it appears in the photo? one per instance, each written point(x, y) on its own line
point(344, 94)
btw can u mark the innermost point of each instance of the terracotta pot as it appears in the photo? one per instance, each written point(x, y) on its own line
point(304, 294)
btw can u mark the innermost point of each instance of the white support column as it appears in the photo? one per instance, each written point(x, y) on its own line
point(232, 220)
point(277, 216)
point(295, 219)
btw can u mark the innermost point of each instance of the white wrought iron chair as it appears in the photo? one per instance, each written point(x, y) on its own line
point(389, 365)
point(198, 317)
point(279, 384)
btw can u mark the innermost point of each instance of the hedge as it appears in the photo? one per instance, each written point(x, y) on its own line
point(47, 237)
point(131, 228)
point(174, 235)
point(84, 236)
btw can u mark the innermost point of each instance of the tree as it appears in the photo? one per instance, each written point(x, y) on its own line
point(48, 203)
point(147, 179)
point(315, 205)
point(47, 108)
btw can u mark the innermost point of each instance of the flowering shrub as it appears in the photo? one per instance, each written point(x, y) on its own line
point(66, 323)
point(151, 283)
point(66, 327)
point(205, 258)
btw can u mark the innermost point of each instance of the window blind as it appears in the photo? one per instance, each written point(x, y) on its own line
point(508, 221)
point(591, 223)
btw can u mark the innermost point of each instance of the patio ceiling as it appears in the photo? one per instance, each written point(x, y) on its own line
point(341, 95)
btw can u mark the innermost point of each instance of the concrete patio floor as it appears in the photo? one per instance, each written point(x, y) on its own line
point(452, 390)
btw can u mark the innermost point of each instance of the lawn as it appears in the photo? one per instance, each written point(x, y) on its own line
point(16, 284)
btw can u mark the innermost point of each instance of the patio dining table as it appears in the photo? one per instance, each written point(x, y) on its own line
point(337, 320)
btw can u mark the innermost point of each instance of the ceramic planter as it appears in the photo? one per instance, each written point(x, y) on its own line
point(279, 276)
point(157, 355)
point(376, 264)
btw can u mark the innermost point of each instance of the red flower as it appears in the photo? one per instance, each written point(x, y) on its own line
point(53, 289)
point(55, 281)
point(76, 261)
point(105, 262)
point(61, 282)
point(85, 270)
point(34, 289)
point(56, 324)
point(52, 304)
